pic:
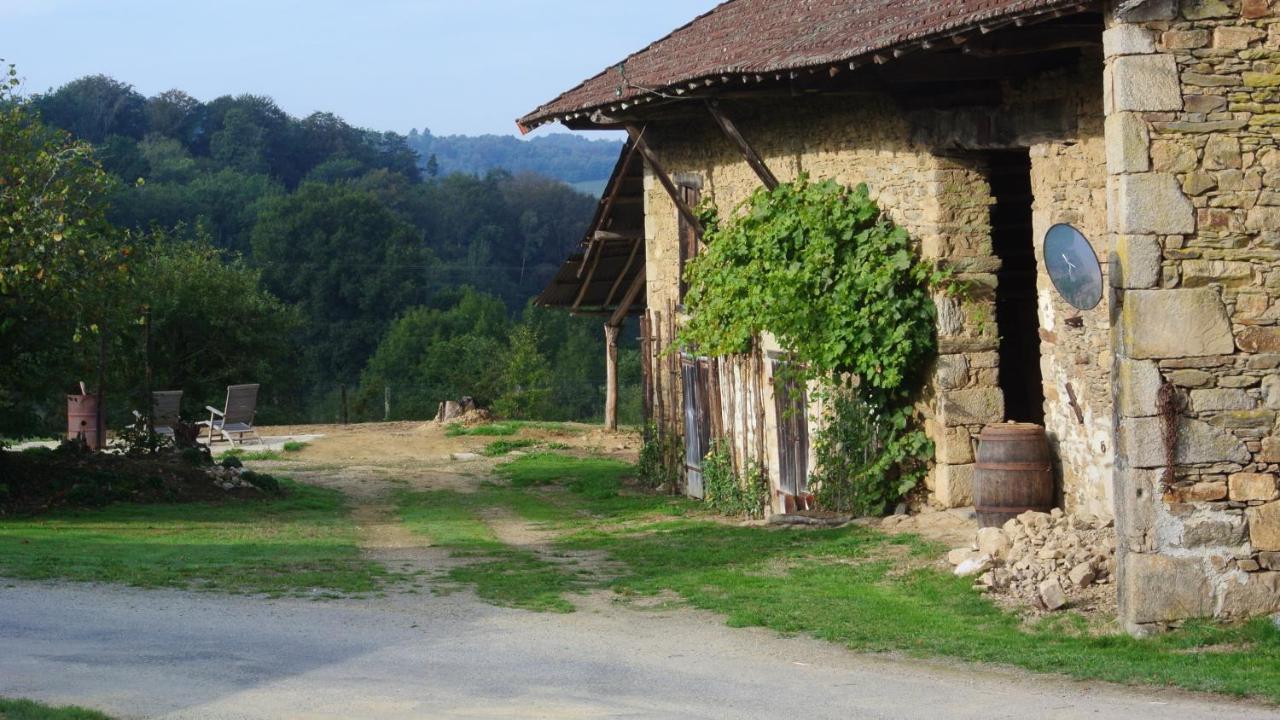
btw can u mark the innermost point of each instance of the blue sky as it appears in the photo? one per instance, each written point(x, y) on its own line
point(460, 66)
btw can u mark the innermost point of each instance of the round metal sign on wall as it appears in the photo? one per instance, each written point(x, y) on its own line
point(1073, 266)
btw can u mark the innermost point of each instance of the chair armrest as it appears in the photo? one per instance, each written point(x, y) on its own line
point(214, 410)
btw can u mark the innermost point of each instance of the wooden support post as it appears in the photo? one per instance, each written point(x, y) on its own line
point(386, 402)
point(637, 137)
point(611, 377)
point(753, 159)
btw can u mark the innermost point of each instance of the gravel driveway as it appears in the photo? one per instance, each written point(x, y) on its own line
point(162, 654)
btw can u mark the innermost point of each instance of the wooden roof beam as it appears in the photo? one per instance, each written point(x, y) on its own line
point(749, 153)
point(637, 137)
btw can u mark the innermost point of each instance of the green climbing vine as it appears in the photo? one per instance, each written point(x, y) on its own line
point(818, 265)
point(727, 492)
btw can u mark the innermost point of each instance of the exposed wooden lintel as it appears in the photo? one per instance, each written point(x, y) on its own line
point(749, 153)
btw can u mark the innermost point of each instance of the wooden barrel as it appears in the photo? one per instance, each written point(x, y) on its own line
point(1014, 473)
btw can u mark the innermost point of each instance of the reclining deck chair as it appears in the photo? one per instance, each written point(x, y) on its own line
point(236, 418)
point(165, 412)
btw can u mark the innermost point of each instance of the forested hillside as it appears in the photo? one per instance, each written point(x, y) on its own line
point(354, 266)
point(572, 158)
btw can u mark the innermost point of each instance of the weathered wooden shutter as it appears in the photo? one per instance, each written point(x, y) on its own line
point(694, 447)
point(793, 432)
point(689, 239)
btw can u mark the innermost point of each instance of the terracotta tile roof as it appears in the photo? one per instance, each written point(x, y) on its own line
point(768, 36)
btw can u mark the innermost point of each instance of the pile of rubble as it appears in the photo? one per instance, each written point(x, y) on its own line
point(1045, 559)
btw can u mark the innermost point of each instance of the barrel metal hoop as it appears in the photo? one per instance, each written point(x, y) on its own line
point(1003, 509)
point(1014, 466)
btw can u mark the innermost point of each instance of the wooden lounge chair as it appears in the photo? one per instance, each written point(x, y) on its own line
point(165, 411)
point(236, 418)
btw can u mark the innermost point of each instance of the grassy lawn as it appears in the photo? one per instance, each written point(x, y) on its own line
point(854, 586)
point(507, 428)
point(289, 546)
point(27, 710)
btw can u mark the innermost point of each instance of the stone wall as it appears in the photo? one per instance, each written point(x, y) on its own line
point(941, 197)
point(1193, 128)
point(1069, 180)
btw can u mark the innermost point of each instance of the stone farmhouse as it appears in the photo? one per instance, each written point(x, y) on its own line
point(1152, 127)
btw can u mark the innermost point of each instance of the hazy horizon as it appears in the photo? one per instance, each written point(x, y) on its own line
point(453, 68)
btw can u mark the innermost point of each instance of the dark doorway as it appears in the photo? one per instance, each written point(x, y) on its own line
point(1017, 317)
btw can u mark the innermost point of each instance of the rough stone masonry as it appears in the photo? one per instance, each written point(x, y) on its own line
point(1192, 101)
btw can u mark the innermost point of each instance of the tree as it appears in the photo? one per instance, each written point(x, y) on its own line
point(432, 354)
point(526, 377)
point(175, 114)
point(59, 257)
point(241, 144)
point(212, 323)
point(348, 263)
point(95, 107)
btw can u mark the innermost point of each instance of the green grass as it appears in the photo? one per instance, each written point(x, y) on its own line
point(853, 586)
point(595, 478)
point(501, 574)
point(250, 455)
point(502, 447)
point(506, 428)
point(294, 446)
point(28, 710)
point(494, 429)
point(299, 544)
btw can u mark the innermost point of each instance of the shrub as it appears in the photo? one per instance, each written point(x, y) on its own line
point(660, 458)
point(264, 482)
point(728, 493)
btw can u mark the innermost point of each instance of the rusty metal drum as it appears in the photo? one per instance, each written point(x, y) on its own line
point(82, 419)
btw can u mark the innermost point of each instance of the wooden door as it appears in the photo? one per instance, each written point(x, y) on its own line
point(697, 422)
point(793, 432)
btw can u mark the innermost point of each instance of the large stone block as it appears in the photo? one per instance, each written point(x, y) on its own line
point(1217, 530)
point(1143, 83)
point(1128, 143)
point(1258, 339)
point(1141, 442)
point(1218, 399)
point(1152, 203)
point(1253, 486)
point(1128, 40)
point(954, 446)
point(1222, 152)
point(1136, 261)
point(977, 406)
point(1264, 526)
point(1250, 594)
point(1159, 588)
point(1175, 323)
point(1205, 9)
point(1137, 384)
point(953, 485)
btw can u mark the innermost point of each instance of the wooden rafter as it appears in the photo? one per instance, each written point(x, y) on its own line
point(749, 153)
point(637, 137)
point(619, 178)
point(632, 292)
point(635, 247)
point(586, 283)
